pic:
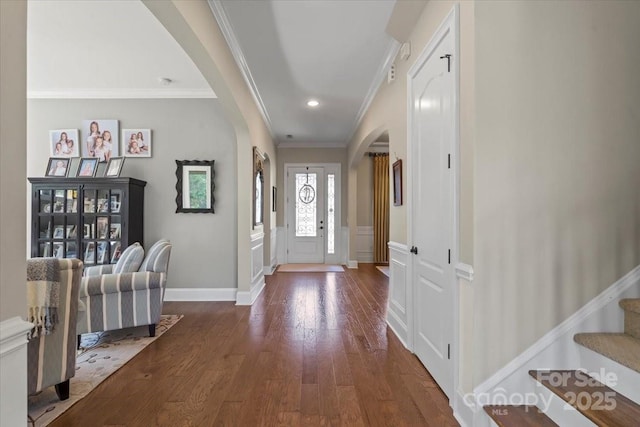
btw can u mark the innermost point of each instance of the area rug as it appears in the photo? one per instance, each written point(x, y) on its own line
point(100, 355)
point(384, 269)
point(310, 268)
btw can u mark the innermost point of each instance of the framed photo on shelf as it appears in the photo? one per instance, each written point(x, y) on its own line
point(71, 231)
point(64, 143)
point(115, 231)
point(102, 225)
point(115, 203)
point(89, 253)
point(136, 142)
point(114, 167)
point(102, 252)
point(58, 250)
point(58, 166)
point(88, 167)
point(58, 232)
point(88, 231)
point(115, 252)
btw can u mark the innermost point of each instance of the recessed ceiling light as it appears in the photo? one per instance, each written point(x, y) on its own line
point(312, 103)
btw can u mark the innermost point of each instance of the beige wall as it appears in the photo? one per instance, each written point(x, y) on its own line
point(310, 155)
point(557, 179)
point(194, 27)
point(388, 111)
point(182, 129)
point(13, 155)
point(364, 197)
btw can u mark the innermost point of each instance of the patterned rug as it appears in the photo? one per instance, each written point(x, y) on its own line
point(100, 355)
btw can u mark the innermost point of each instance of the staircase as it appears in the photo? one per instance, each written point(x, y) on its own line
point(599, 403)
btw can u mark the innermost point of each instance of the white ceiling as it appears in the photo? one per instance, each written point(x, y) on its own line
point(336, 51)
point(332, 51)
point(98, 48)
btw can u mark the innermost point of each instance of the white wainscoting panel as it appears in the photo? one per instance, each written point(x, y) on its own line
point(257, 272)
point(273, 262)
point(281, 245)
point(13, 371)
point(344, 248)
point(398, 312)
point(364, 244)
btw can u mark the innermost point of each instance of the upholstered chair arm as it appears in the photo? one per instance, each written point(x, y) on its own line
point(123, 282)
point(98, 270)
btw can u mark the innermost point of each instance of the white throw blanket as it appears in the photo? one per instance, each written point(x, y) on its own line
point(43, 295)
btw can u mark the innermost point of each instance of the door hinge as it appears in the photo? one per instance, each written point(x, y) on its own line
point(448, 161)
point(449, 256)
point(448, 351)
point(448, 57)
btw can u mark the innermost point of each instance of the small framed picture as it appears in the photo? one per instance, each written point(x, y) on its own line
point(58, 167)
point(115, 252)
point(71, 231)
point(102, 252)
point(114, 167)
point(115, 203)
point(397, 183)
point(64, 143)
point(136, 142)
point(102, 224)
point(274, 198)
point(88, 231)
point(114, 231)
point(88, 167)
point(58, 232)
point(89, 253)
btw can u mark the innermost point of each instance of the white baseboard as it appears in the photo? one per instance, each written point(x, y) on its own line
point(268, 270)
point(352, 264)
point(13, 371)
point(462, 412)
point(248, 298)
point(398, 327)
point(198, 294)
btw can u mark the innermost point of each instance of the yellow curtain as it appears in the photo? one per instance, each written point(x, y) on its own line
point(380, 208)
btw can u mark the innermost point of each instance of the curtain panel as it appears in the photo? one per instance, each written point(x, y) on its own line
point(380, 208)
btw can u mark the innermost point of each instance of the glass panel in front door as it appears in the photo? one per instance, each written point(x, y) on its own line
point(306, 201)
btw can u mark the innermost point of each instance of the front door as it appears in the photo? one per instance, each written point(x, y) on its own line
point(305, 216)
point(432, 139)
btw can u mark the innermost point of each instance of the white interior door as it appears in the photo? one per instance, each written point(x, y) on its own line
point(432, 133)
point(306, 215)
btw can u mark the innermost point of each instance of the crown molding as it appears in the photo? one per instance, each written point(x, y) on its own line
point(392, 51)
point(120, 93)
point(219, 13)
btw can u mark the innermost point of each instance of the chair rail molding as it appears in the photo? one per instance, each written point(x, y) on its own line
point(464, 271)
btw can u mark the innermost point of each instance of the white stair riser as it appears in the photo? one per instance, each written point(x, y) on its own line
point(626, 379)
point(557, 409)
point(632, 324)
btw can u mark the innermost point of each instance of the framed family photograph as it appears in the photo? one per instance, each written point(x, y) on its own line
point(136, 142)
point(101, 139)
point(88, 167)
point(58, 166)
point(64, 143)
point(114, 167)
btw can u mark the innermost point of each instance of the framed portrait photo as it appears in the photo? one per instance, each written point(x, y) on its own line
point(136, 142)
point(58, 166)
point(88, 167)
point(100, 139)
point(64, 143)
point(397, 183)
point(114, 167)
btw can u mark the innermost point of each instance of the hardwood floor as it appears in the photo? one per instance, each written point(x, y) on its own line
point(313, 350)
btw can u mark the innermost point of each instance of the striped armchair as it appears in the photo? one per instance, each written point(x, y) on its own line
point(51, 356)
point(113, 300)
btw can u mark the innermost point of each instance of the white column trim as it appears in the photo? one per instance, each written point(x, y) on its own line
point(464, 271)
point(13, 335)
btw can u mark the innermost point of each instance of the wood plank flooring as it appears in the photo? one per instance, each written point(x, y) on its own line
point(314, 350)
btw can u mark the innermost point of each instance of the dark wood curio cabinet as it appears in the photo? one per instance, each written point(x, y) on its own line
point(93, 219)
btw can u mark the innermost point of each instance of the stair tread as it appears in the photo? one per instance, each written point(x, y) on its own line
point(518, 416)
point(596, 401)
point(622, 348)
point(630, 304)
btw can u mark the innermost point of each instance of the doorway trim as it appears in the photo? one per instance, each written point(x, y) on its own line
point(335, 168)
point(450, 24)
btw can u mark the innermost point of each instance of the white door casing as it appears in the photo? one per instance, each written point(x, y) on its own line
point(433, 139)
point(312, 228)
